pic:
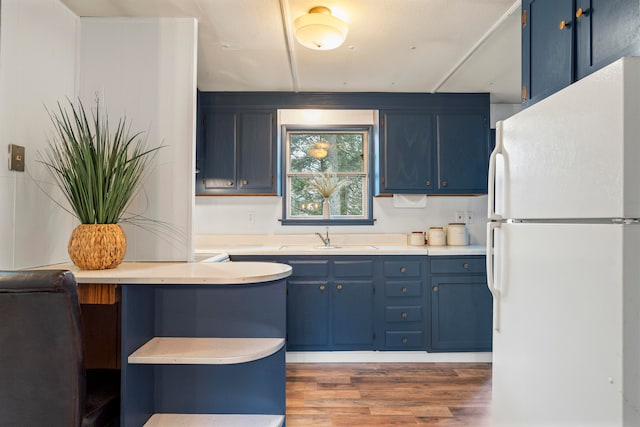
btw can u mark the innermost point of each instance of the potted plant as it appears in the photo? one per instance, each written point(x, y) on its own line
point(99, 169)
point(326, 183)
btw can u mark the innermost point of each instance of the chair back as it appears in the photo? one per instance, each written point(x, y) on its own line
point(42, 376)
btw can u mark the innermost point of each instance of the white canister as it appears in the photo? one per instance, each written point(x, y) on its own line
point(457, 234)
point(416, 238)
point(436, 236)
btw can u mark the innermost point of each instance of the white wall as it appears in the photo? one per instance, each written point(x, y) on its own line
point(38, 42)
point(231, 215)
point(146, 68)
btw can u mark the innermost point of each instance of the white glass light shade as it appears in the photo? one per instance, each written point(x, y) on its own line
point(320, 30)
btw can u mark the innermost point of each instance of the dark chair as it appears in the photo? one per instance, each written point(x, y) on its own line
point(43, 381)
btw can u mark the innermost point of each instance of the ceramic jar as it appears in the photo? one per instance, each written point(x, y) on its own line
point(457, 234)
point(416, 238)
point(436, 236)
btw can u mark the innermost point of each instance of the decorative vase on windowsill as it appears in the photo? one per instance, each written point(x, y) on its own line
point(99, 169)
point(326, 183)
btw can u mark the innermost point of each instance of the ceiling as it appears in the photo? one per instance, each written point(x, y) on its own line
point(392, 45)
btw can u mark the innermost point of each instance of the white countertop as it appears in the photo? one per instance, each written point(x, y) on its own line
point(152, 273)
point(309, 244)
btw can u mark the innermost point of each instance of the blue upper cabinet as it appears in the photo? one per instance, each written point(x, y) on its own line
point(547, 47)
point(237, 152)
point(408, 150)
point(605, 31)
point(424, 152)
point(463, 153)
point(566, 40)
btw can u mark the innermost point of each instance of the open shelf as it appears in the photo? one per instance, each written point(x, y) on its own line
point(204, 351)
point(217, 420)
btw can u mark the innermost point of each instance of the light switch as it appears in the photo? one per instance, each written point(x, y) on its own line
point(16, 158)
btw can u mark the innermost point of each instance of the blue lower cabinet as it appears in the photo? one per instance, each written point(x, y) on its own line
point(461, 307)
point(308, 315)
point(352, 317)
point(236, 331)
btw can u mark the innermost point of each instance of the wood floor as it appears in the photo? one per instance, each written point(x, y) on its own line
point(388, 394)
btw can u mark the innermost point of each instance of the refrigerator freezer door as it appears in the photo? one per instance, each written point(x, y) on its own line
point(576, 153)
point(566, 353)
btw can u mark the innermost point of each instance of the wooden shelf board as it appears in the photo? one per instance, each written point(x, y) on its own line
point(217, 420)
point(204, 351)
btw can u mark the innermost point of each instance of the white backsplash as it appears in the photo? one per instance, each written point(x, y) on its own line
point(232, 215)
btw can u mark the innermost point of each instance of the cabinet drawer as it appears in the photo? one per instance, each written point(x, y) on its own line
point(353, 268)
point(402, 269)
point(411, 313)
point(404, 339)
point(458, 265)
point(317, 269)
point(403, 289)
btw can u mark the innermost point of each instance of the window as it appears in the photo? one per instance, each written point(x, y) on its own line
point(327, 176)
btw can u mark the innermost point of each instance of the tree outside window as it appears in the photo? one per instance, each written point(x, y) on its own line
point(327, 167)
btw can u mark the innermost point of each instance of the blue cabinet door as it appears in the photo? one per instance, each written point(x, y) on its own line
point(218, 168)
point(352, 320)
point(547, 47)
point(408, 152)
point(308, 315)
point(461, 313)
point(463, 153)
point(605, 31)
point(257, 160)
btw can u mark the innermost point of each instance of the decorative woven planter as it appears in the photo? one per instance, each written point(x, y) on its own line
point(97, 246)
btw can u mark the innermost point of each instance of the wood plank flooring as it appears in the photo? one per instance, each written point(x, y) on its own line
point(388, 394)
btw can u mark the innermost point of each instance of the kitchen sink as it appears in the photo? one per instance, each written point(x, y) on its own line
point(328, 248)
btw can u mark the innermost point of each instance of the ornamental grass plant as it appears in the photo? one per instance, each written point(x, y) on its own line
point(98, 168)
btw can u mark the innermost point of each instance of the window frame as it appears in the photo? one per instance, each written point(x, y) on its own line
point(286, 196)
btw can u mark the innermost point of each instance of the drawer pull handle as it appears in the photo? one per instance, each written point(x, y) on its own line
point(435, 289)
point(404, 290)
point(466, 266)
point(564, 24)
point(404, 340)
point(339, 286)
point(404, 315)
point(245, 182)
point(403, 270)
point(322, 287)
point(229, 183)
point(444, 183)
point(427, 183)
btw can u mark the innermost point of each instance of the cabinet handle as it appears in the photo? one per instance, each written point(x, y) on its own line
point(404, 340)
point(435, 289)
point(524, 93)
point(404, 315)
point(322, 287)
point(428, 183)
point(245, 182)
point(229, 183)
point(564, 24)
point(404, 290)
point(465, 266)
point(403, 270)
point(339, 286)
point(582, 12)
point(444, 183)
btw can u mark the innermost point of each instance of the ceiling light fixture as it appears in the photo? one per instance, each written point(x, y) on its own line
point(320, 30)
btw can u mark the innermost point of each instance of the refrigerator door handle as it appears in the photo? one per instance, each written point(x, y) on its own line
point(491, 205)
point(495, 292)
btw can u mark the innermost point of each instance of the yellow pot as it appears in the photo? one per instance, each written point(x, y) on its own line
point(97, 246)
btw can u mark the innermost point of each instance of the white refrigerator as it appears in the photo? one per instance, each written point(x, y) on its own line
point(563, 256)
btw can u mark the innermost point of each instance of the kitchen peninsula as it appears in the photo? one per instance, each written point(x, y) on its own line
point(201, 342)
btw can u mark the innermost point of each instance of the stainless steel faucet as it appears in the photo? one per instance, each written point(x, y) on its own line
point(325, 239)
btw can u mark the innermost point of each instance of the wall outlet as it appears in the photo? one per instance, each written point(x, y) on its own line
point(468, 217)
point(252, 217)
point(459, 217)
